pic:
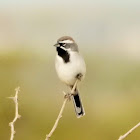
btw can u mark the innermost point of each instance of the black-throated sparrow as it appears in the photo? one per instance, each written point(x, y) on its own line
point(70, 66)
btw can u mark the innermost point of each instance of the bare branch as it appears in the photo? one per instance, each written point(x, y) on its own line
point(61, 112)
point(129, 132)
point(57, 120)
point(17, 116)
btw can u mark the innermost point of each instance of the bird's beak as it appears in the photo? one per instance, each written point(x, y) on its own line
point(56, 45)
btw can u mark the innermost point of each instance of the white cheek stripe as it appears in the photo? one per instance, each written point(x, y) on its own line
point(63, 48)
point(66, 41)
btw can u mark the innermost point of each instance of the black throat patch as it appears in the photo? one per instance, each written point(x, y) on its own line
point(64, 54)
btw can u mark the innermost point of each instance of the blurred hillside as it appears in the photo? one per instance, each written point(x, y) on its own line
point(108, 38)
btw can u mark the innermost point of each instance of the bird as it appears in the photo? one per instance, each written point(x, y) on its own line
point(70, 66)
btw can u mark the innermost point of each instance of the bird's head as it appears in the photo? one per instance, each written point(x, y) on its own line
point(67, 43)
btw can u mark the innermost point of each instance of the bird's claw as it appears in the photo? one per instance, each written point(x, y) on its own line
point(79, 76)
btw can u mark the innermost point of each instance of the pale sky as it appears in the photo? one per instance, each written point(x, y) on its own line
point(101, 24)
point(59, 2)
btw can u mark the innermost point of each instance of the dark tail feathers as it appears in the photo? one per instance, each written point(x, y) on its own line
point(79, 110)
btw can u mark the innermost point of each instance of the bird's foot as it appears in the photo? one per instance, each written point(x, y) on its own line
point(79, 76)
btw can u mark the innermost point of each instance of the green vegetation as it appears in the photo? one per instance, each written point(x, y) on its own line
point(110, 94)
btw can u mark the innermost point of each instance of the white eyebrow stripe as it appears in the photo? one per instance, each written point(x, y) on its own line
point(66, 41)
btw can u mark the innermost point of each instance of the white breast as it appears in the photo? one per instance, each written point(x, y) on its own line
point(68, 71)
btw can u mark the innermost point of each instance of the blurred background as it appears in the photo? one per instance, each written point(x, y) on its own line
point(108, 35)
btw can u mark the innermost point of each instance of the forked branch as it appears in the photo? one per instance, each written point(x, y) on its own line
point(17, 116)
point(61, 112)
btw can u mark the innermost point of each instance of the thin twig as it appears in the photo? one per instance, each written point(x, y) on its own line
point(129, 132)
point(61, 112)
point(17, 116)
